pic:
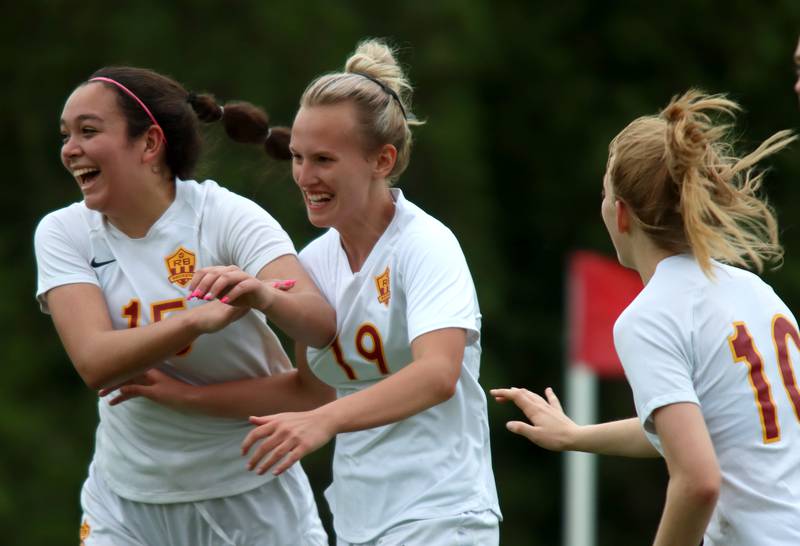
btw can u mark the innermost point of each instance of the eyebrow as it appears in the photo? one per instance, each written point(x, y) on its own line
point(313, 152)
point(83, 117)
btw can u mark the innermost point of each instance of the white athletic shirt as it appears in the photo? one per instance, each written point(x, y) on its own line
point(687, 338)
point(145, 451)
point(435, 463)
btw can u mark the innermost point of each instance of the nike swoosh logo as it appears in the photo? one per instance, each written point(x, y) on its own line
point(95, 263)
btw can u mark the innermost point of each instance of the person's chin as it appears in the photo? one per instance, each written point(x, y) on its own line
point(317, 220)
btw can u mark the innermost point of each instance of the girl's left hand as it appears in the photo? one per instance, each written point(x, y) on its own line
point(152, 384)
point(288, 437)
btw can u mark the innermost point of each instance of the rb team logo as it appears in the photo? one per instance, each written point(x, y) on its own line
point(180, 265)
point(382, 284)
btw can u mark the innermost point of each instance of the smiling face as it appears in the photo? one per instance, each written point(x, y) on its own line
point(331, 165)
point(96, 149)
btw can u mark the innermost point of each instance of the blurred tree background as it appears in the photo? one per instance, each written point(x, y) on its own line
point(521, 98)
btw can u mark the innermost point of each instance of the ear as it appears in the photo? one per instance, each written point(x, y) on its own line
point(154, 143)
point(385, 160)
point(624, 219)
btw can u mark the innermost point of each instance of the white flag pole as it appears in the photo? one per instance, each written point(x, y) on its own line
point(580, 483)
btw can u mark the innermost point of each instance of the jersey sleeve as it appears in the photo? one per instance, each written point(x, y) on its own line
point(438, 285)
point(247, 235)
point(655, 352)
point(61, 256)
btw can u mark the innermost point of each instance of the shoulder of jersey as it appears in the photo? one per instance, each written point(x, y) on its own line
point(78, 210)
point(424, 230)
point(323, 243)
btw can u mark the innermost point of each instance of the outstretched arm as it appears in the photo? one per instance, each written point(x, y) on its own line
point(430, 379)
point(104, 356)
point(551, 429)
point(296, 390)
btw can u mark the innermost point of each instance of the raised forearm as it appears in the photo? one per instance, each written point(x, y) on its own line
point(417, 387)
point(105, 358)
point(259, 396)
point(305, 316)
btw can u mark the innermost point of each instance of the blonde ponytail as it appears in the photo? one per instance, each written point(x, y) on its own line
point(688, 191)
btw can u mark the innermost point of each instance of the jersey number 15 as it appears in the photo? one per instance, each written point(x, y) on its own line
point(158, 311)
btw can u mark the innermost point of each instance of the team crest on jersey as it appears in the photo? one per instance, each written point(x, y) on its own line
point(85, 530)
point(382, 283)
point(180, 265)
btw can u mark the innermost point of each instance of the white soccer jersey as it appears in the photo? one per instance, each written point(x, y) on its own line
point(437, 462)
point(145, 451)
point(729, 345)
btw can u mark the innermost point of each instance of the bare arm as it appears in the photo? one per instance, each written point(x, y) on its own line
point(104, 356)
point(694, 476)
point(430, 379)
point(551, 429)
point(297, 390)
point(300, 310)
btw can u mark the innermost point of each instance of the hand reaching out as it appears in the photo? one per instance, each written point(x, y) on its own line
point(152, 384)
point(287, 436)
point(549, 426)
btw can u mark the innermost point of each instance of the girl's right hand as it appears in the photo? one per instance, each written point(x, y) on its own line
point(233, 286)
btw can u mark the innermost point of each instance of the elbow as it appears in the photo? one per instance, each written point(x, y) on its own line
point(92, 380)
point(446, 386)
point(325, 338)
point(707, 491)
point(92, 374)
point(448, 389)
point(703, 490)
point(327, 332)
point(325, 396)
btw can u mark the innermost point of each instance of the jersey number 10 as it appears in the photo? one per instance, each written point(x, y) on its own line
point(744, 349)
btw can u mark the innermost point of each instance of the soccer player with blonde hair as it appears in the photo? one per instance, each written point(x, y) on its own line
point(709, 349)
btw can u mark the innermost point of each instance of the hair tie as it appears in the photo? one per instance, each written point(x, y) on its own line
point(132, 95)
point(388, 90)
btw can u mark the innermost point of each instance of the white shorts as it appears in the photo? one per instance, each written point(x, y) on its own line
point(266, 516)
point(467, 529)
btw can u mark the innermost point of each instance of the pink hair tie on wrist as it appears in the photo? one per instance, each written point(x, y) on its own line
point(132, 95)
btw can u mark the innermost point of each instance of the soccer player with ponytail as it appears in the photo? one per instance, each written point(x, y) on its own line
point(710, 351)
point(412, 461)
point(126, 275)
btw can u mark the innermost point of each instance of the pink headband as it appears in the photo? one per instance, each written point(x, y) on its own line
point(132, 95)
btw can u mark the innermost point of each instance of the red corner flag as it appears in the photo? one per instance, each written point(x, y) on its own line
point(598, 290)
